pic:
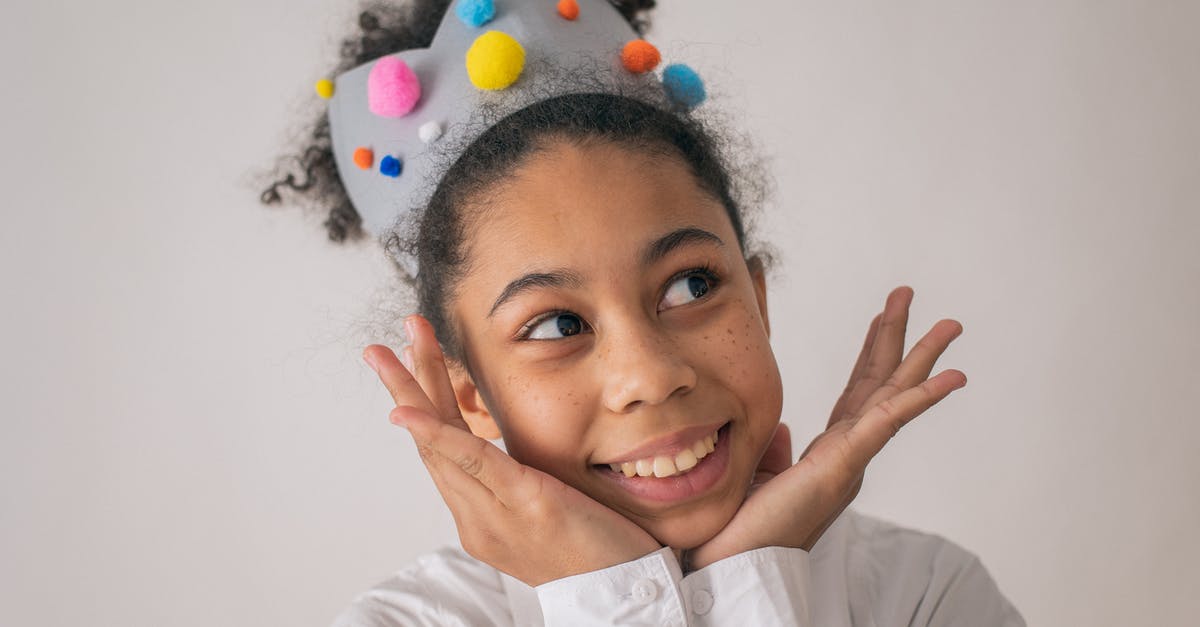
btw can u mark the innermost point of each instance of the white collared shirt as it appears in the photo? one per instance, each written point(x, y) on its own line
point(863, 572)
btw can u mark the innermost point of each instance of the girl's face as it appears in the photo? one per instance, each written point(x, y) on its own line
point(608, 317)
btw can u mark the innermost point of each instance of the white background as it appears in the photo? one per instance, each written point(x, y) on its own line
point(190, 438)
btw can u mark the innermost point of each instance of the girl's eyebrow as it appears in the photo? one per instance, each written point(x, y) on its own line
point(554, 278)
point(663, 246)
point(653, 252)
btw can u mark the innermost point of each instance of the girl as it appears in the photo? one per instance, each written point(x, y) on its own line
point(588, 293)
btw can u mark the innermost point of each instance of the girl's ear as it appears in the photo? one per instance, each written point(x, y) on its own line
point(471, 404)
point(758, 274)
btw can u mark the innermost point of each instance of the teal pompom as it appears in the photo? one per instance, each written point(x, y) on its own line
point(683, 85)
point(475, 13)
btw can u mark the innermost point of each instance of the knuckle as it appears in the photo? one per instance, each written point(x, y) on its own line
point(537, 509)
point(928, 389)
point(426, 452)
point(871, 381)
point(924, 345)
point(430, 361)
point(471, 464)
point(893, 385)
point(892, 415)
point(471, 460)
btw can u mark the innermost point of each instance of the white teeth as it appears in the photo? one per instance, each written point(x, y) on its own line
point(664, 466)
point(715, 436)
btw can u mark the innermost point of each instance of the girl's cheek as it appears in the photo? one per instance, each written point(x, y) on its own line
point(537, 424)
point(753, 372)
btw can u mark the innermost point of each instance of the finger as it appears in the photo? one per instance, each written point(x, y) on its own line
point(888, 348)
point(429, 368)
point(860, 367)
point(886, 352)
point(461, 458)
point(460, 491)
point(883, 421)
point(405, 389)
point(919, 362)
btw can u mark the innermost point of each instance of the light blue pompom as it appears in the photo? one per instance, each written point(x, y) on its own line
point(683, 85)
point(475, 13)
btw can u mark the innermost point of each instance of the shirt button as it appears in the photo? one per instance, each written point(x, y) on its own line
point(701, 602)
point(644, 591)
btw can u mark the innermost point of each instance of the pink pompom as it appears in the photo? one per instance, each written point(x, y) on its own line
point(393, 89)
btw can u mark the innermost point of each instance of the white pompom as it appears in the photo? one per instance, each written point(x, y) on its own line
point(430, 132)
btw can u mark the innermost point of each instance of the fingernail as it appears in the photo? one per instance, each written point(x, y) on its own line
point(410, 328)
point(406, 358)
point(371, 362)
point(394, 418)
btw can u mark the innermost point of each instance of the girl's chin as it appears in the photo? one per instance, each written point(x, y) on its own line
point(691, 530)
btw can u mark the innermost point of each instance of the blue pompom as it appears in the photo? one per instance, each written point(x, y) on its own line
point(475, 13)
point(390, 166)
point(683, 85)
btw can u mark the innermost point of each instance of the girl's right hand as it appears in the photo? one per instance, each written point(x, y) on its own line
point(518, 519)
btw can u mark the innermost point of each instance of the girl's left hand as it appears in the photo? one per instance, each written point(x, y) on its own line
point(792, 505)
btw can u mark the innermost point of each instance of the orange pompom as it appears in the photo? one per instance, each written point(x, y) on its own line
point(364, 158)
point(640, 56)
point(569, 9)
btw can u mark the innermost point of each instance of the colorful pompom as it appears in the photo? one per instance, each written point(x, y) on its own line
point(393, 89)
point(640, 56)
point(364, 158)
point(568, 9)
point(475, 13)
point(325, 88)
point(495, 60)
point(683, 85)
point(390, 166)
point(430, 132)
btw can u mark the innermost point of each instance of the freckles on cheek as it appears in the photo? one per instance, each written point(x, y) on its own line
point(540, 422)
point(748, 356)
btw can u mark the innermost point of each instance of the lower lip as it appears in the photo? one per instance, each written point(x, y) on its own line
point(694, 482)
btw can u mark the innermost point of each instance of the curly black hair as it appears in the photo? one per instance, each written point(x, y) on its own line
point(432, 234)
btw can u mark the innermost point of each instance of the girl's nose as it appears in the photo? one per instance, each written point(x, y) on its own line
point(641, 367)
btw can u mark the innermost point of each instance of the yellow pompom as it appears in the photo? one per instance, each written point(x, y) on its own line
point(495, 60)
point(325, 88)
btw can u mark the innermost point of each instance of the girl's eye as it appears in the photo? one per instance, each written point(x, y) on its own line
point(686, 289)
point(556, 326)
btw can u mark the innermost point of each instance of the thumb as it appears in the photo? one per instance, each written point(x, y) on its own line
point(778, 456)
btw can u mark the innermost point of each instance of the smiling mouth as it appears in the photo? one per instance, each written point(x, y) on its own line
point(662, 466)
point(660, 478)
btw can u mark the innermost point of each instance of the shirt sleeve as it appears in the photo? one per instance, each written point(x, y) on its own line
point(644, 591)
point(767, 586)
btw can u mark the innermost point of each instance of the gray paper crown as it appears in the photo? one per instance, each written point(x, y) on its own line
point(448, 98)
